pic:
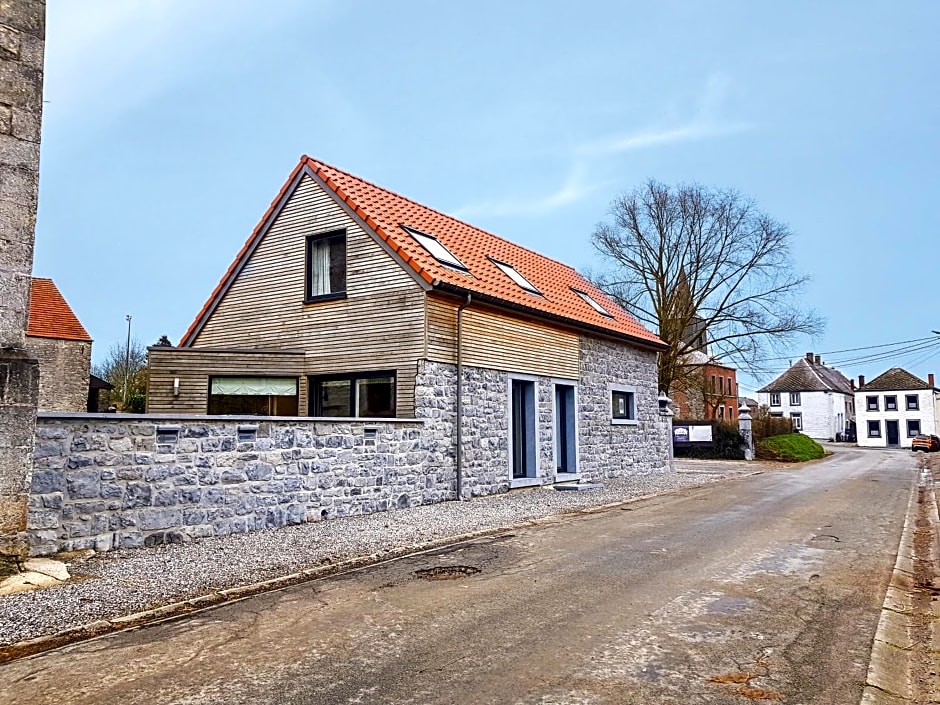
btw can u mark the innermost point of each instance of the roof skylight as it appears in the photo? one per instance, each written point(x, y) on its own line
point(435, 248)
point(513, 274)
point(593, 304)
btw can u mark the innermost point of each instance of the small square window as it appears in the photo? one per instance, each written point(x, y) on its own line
point(874, 429)
point(794, 398)
point(891, 403)
point(623, 405)
point(912, 402)
point(775, 398)
point(871, 403)
point(913, 427)
point(326, 266)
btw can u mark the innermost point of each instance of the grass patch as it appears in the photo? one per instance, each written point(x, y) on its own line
point(791, 448)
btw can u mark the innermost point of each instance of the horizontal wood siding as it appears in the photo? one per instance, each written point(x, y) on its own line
point(378, 326)
point(495, 340)
point(193, 368)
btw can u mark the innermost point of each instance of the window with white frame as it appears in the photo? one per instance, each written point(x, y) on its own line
point(623, 405)
point(891, 402)
point(874, 429)
point(775, 398)
point(794, 398)
point(871, 404)
point(912, 402)
point(913, 427)
point(797, 419)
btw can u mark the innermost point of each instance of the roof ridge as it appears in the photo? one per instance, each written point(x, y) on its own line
point(307, 157)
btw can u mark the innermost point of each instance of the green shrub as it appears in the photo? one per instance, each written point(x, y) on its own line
point(729, 444)
point(791, 448)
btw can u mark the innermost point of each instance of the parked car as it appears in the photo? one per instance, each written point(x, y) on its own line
point(926, 443)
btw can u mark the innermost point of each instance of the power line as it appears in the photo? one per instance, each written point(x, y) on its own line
point(867, 347)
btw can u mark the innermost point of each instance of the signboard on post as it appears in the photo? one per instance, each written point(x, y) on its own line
point(693, 434)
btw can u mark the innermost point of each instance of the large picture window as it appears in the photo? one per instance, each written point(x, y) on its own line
point(361, 394)
point(326, 266)
point(253, 396)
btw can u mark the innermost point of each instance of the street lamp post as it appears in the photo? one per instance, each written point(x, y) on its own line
point(127, 359)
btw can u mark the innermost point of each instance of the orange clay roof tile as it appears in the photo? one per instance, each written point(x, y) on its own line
point(385, 212)
point(50, 315)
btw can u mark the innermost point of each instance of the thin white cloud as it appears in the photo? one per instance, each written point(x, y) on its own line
point(704, 124)
point(572, 191)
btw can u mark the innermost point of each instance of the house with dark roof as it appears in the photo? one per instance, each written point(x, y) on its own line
point(351, 301)
point(819, 399)
point(58, 340)
point(894, 407)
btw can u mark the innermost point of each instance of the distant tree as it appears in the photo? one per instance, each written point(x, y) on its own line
point(126, 369)
point(163, 342)
point(705, 268)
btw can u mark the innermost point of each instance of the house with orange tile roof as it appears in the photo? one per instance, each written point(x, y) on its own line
point(58, 340)
point(351, 301)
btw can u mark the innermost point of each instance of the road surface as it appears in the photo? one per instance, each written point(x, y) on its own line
point(763, 589)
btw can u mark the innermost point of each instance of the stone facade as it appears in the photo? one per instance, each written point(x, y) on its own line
point(105, 482)
point(606, 449)
point(22, 35)
point(63, 372)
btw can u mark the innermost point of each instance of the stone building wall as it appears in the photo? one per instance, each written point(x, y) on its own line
point(22, 36)
point(613, 450)
point(63, 372)
point(104, 482)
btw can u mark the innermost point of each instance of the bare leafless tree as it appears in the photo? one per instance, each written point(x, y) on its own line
point(126, 366)
point(703, 265)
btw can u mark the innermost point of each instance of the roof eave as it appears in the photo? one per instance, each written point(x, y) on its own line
point(549, 317)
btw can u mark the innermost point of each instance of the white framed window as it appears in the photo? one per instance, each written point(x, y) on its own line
point(435, 248)
point(593, 304)
point(514, 274)
point(775, 398)
point(622, 404)
point(797, 419)
point(912, 402)
point(874, 429)
point(794, 398)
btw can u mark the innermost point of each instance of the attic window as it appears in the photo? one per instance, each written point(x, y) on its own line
point(513, 274)
point(434, 246)
point(593, 304)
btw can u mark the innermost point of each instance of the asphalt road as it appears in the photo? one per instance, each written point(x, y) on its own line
point(762, 589)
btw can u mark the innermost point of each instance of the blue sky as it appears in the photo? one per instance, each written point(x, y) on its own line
point(169, 126)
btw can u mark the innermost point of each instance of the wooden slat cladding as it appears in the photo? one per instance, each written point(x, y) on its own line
point(499, 341)
point(378, 326)
point(194, 367)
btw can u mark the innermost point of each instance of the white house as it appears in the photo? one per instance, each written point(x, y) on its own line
point(820, 400)
point(894, 407)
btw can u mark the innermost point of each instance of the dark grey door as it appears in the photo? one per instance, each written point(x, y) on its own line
point(892, 433)
point(523, 411)
point(565, 460)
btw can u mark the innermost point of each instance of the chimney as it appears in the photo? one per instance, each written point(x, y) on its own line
point(852, 382)
point(809, 357)
point(930, 380)
point(861, 381)
point(818, 360)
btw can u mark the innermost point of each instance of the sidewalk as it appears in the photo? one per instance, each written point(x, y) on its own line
point(125, 588)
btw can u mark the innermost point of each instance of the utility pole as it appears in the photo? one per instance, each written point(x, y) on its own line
point(127, 359)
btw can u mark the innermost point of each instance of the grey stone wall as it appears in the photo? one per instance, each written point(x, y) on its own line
point(22, 35)
point(103, 481)
point(63, 372)
point(611, 450)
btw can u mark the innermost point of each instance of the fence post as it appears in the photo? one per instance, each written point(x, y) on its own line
point(744, 426)
point(666, 413)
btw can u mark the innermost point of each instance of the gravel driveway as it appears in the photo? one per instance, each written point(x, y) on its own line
point(112, 585)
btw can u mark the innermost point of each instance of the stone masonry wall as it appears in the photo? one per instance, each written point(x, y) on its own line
point(612, 450)
point(103, 481)
point(63, 373)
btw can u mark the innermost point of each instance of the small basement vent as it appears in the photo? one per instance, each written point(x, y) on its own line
point(370, 434)
point(168, 434)
point(247, 434)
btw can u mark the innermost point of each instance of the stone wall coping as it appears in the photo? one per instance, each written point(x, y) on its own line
point(202, 418)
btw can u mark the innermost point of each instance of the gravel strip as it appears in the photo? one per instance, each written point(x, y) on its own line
point(118, 583)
